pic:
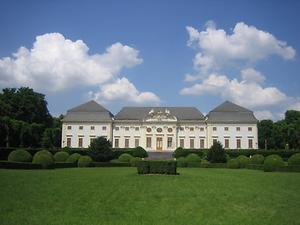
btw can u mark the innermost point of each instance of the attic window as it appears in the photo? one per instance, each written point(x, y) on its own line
point(69, 127)
point(214, 128)
point(159, 130)
point(238, 129)
point(104, 128)
point(80, 127)
point(201, 128)
point(191, 128)
point(148, 129)
point(92, 127)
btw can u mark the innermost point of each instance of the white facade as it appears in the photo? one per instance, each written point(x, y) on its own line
point(161, 130)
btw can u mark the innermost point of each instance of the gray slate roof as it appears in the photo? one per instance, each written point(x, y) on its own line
point(139, 113)
point(88, 112)
point(229, 112)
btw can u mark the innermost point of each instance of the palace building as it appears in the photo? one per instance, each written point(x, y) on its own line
point(161, 128)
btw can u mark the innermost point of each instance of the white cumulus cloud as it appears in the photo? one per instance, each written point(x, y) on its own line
point(248, 94)
point(55, 63)
point(245, 43)
point(123, 89)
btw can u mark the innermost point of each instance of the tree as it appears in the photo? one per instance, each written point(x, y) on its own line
point(265, 139)
point(24, 104)
point(100, 150)
point(216, 153)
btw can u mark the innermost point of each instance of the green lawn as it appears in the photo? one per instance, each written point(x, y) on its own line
point(90, 196)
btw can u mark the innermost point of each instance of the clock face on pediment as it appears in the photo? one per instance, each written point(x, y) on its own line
point(160, 115)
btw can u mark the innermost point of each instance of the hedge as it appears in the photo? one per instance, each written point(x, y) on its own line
point(257, 159)
point(255, 167)
point(61, 156)
point(233, 164)
point(294, 159)
point(243, 161)
point(64, 165)
point(110, 164)
point(157, 167)
point(181, 162)
point(19, 165)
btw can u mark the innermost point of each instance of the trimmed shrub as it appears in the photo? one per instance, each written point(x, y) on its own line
point(114, 161)
point(100, 150)
point(46, 152)
point(162, 167)
point(204, 161)
point(73, 158)
point(243, 161)
point(216, 153)
point(257, 159)
point(84, 161)
point(193, 158)
point(181, 162)
point(294, 160)
point(134, 160)
point(139, 152)
point(64, 165)
point(61, 156)
point(143, 167)
point(180, 152)
point(19, 156)
point(125, 157)
point(272, 162)
point(233, 164)
point(43, 159)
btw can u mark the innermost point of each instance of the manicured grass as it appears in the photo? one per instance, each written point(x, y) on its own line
point(90, 196)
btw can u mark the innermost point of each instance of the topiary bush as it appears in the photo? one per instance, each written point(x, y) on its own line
point(294, 159)
point(193, 158)
point(139, 152)
point(20, 155)
point(61, 156)
point(73, 158)
point(84, 161)
point(100, 150)
point(133, 161)
point(46, 152)
point(216, 153)
point(181, 162)
point(233, 164)
point(44, 159)
point(257, 159)
point(243, 161)
point(125, 157)
point(272, 162)
point(180, 152)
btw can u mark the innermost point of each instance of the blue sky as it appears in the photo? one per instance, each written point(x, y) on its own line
point(140, 52)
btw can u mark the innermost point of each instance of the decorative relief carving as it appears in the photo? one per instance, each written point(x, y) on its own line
point(160, 116)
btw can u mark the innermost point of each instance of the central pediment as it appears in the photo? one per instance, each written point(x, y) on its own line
point(160, 115)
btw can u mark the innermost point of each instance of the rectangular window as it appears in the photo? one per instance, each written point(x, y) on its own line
point(191, 128)
point(169, 142)
point(92, 139)
point(137, 142)
point(238, 129)
point(238, 143)
point(69, 127)
point(226, 128)
point(215, 140)
point(104, 128)
point(181, 128)
point(92, 127)
point(127, 128)
point(80, 141)
point(69, 142)
point(117, 128)
point(192, 142)
point(226, 143)
point(116, 143)
point(214, 128)
point(137, 128)
point(80, 127)
point(249, 128)
point(201, 143)
point(250, 143)
point(126, 143)
point(201, 128)
point(181, 142)
point(148, 142)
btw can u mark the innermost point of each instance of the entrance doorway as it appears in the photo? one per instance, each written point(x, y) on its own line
point(159, 143)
